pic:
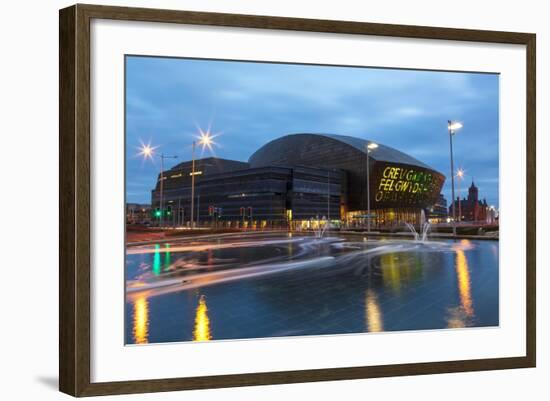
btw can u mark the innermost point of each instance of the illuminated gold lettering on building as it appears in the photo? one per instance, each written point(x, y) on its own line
point(405, 185)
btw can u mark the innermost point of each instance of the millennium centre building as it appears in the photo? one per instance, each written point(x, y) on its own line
point(297, 181)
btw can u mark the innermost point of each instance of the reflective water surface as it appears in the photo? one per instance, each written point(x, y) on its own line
point(267, 285)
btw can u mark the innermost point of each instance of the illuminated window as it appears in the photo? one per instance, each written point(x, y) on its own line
point(289, 214)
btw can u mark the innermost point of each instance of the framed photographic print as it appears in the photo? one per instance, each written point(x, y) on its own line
point(250, 200)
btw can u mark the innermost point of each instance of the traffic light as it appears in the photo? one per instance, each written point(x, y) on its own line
point(210, 210)
point(242, 211)
point(250, 211)
point(157, 212)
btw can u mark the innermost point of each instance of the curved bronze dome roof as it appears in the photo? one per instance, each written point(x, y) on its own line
point(284, 150)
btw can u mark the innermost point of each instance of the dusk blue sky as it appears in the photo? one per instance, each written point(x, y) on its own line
point(248, 104)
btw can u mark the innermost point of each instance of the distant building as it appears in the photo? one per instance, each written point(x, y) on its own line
point(437, 213)
point(470, 208)
point(138, 213)
point(298, 179)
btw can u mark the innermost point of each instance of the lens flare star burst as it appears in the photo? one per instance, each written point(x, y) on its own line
point(206, 139)
point(146, 150)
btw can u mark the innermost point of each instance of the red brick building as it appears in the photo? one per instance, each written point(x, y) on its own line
point(470, 208)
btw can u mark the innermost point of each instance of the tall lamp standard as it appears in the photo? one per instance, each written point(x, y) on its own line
point(459, 177)
point(452, 127)
point(370, 147)
point(328, 196)
point(148, 151)
point(205, 140)
point(162, 157)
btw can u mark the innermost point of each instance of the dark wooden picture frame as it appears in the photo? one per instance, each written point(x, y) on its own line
point(74, 203)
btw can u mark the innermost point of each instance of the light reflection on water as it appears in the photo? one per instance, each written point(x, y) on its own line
point(374, 315)
point(461, 314)
point(167, 258)
point(202, 322)
point(156, 260)
point(296, 285)
point(392, 272)
point(141, 320)
point(464, 282)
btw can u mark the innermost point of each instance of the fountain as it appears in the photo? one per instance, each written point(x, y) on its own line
point(321, 228)
point(412, 230)
point(424, 228)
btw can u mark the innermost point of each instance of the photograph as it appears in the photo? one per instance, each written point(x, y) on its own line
point(270, 199)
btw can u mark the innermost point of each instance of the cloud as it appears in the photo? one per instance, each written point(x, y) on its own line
point(253, 103)
point(231, 95)
point(410, 112)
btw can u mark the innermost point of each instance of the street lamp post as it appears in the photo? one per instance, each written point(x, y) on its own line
point(459, 176)
point(193, 186)
point(161, 203)
point(205, 140)
point(328, 196)
point(178, 220)
point(198, 209)
point(371, 146)
point(452, 127)
point(148, 152)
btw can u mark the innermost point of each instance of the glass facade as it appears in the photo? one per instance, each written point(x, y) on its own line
point(301, 181)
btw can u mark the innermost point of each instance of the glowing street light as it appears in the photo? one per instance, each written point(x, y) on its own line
point(370, 147)
point(206, 140)
point(453, 127)
point(148, 152)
